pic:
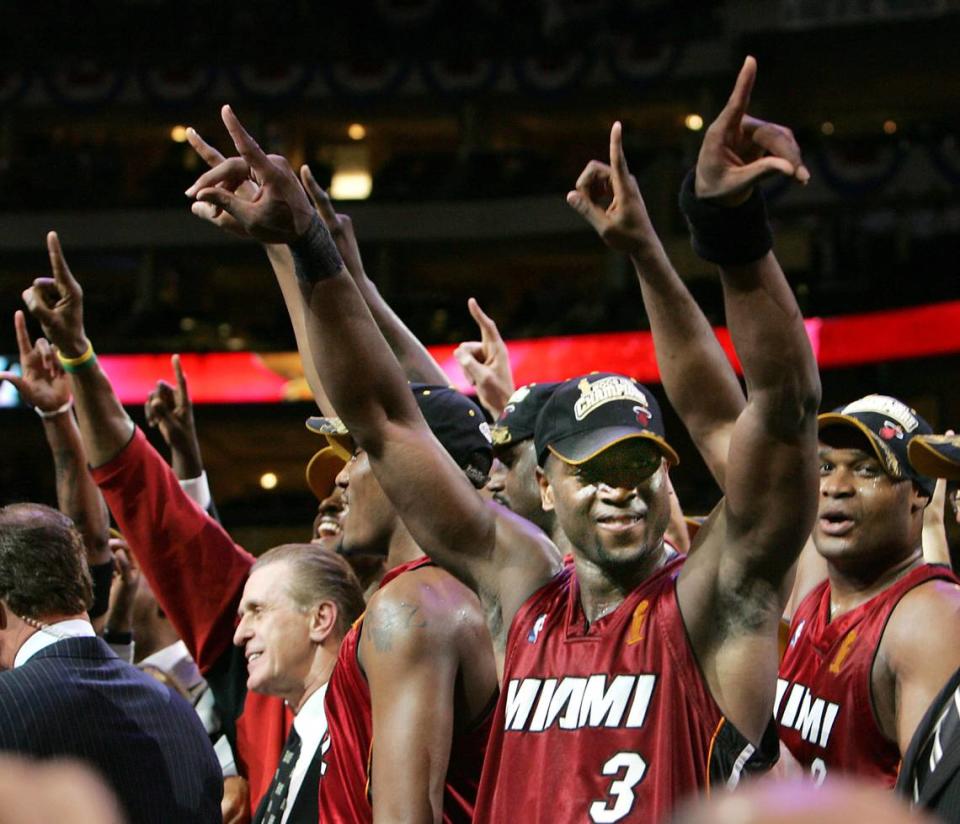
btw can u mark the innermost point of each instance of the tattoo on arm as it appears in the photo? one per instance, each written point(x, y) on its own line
point(385, 625)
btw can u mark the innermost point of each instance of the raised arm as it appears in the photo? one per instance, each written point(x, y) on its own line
point(771, 475)
point(696, 374)
point(486, 362)
point(936, 547)
point(734, 587)
point(364, 381)
point(57, 303)
point(170, 410)
point(195, 570)
point(417, 363)
point(44, 386)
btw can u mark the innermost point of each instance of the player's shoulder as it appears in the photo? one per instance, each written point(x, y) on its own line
point(933, 602)
point(426, 605)
point(926, 616)
point(524, 546)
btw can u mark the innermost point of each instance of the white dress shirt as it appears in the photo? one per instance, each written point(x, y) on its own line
point(43, 638)
point(311, 725)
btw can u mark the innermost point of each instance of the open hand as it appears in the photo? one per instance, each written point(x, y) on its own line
point(609, 199)
point(57, 303)
point(247, 190)
point(739, 150)
point(43, 383)
point(486, 362)
point(279, 212)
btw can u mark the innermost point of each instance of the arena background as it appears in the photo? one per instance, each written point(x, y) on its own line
point(469, 120)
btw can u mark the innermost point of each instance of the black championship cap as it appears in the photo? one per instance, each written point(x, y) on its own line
point(889, 426)
point(518, 420)
point(455, 420)
point(587, 415)
point(937, 456)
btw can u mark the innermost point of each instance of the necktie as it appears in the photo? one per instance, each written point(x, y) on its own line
point(280, 786)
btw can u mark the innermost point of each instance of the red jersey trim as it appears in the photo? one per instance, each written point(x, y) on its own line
point(713, 741)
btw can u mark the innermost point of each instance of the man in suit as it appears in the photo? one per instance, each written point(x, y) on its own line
point(63, 692)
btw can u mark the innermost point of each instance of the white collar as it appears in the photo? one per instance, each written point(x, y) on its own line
point(311, 721)
point(50, 634)
point(175, 660)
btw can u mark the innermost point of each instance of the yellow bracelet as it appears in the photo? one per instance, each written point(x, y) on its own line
point(72, 364)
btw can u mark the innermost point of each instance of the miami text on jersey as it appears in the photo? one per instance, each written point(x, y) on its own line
point(572, 702)
point(812, 717)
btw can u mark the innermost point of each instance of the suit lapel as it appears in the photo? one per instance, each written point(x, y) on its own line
point(945, 770)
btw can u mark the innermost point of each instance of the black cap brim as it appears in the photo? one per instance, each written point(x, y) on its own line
point(584, 446)
point(937, 456)
point(887, 461)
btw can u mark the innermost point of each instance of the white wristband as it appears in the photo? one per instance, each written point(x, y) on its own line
point(198, 490)
point(52, 414)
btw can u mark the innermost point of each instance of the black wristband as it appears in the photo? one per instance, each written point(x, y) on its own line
point(727, 236)
point(102, 575)
point(315, 255)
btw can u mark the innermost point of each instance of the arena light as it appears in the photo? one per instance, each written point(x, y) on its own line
point(356, 131)
point(889, 126)
point(351, 185)
point(693, 122)
point(178, 134)
point(268, 480)
point(248, 377)
point(827, 128)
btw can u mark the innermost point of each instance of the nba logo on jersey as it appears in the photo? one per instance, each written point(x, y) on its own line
point(537, 628)
point(796, 634)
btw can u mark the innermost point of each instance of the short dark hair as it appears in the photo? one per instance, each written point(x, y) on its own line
point(319, 575)
point(43, 567)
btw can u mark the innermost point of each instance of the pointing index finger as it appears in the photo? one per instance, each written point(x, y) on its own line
point(65, 282)
point(23, 337)
point(319, 197)
point(740, 96)
point(182, 394)
point(488, 326)
point(618, 161)
point(248, 147)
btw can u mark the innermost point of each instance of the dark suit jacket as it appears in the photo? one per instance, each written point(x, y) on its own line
point(941, 791)
point(76, 698)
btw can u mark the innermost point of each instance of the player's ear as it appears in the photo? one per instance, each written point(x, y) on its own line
point(3, 615)
point(546, 490)
point(323, 621)
point(919, 500)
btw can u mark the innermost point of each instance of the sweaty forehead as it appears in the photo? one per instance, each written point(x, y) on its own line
point(848, 454)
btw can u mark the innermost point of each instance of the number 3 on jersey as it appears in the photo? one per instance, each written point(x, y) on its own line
point(631, 769)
